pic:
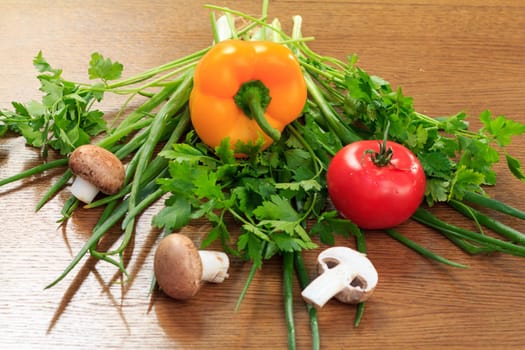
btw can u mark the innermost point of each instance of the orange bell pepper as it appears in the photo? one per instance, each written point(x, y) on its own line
point(245, 90)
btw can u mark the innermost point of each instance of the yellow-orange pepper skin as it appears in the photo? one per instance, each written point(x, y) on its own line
point(221, 73)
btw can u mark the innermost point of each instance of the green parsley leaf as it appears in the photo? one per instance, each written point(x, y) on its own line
point(182, 152)
point(515, 167)
point(464, 180)
point(173, 216)
point(277, 208)
point(306, 185)
point(290, 244)
point(479, 156)
point(436, 191)
point(329, 223)
point(501, 128)
point(252, 245)
point(205, 184)
point(436, 164)
point(103, 68)
point(453, 123)
point(42, 66)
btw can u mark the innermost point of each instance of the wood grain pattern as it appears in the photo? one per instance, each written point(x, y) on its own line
point(449, 55)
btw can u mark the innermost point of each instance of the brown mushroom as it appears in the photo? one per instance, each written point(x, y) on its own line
point(96, 169)
point(180, 268)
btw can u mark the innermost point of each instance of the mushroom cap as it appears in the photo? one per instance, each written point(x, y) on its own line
point(178, 266)
point(365, 280)
point(99, 167)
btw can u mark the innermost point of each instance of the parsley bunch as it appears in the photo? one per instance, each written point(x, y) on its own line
point(271, 195)
point(65, 118)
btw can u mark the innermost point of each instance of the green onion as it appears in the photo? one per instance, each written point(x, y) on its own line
point(304, 280)
point(288, 268)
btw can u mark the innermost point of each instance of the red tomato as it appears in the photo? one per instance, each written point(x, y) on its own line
point(374, 196)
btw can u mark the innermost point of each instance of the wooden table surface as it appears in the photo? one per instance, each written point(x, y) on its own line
point(450, 55)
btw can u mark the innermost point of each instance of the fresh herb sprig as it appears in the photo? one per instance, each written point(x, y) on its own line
point(65, 118)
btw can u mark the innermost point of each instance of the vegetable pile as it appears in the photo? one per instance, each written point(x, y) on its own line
point(261, 156)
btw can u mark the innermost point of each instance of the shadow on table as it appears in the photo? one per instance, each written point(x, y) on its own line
point(126, 282)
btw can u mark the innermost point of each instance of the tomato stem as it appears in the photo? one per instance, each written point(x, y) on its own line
point(384, 156)
point(253, 98)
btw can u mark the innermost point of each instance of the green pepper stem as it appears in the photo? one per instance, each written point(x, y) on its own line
point(253, 98)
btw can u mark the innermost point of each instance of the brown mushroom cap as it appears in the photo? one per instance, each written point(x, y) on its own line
point(99, 167)
point(178, 266)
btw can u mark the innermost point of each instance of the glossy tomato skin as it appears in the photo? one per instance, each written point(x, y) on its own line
point(371, 196)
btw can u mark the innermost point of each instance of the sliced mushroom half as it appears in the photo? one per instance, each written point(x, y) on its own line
point(345, 274)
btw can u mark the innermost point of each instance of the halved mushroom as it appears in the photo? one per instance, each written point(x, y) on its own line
point(180, 268)
point(345, 274)
point(95, 169)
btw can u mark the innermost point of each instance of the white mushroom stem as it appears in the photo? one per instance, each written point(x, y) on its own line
point(328, 284)
point(83, 190)
point(214, 266)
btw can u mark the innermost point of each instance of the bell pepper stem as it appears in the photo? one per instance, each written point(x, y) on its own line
point(258, 115)
point(253, 98)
